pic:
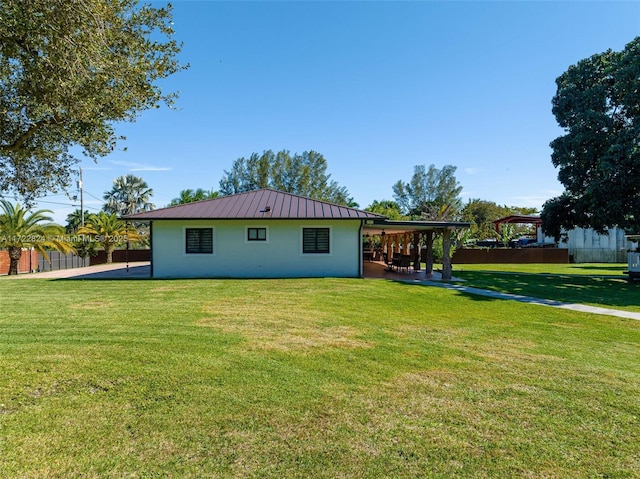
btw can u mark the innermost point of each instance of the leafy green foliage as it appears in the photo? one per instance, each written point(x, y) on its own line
point(388, 208)
point(481, 214)
point(108, 231)
point(598, 106)
point(130, 194)
point(74, 222)
point(19, 229)
point(68, 72)
point(301, 174)
point(429, 190)
point(190, 196)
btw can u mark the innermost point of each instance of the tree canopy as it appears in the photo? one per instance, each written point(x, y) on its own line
point(130, 194)
point(108, 231)
point(70, 70)
point(388, 208)
point(21, 229)
point(598, 105)
point(190, 196)
point(302, 174)
point(481, 214)
point(428, 191)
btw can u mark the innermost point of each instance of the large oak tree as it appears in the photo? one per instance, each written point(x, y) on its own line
point(597, 103)
point(69, 71)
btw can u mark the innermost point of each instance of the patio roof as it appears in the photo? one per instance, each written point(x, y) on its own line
point(378, 226)
point(518, 219)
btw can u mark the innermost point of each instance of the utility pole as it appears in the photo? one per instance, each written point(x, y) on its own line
point(81, 199)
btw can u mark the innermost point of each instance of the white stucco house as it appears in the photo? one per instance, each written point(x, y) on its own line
point(263, 233)
point(268, 234)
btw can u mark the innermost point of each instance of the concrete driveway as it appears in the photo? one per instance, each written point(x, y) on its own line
point(140, 270)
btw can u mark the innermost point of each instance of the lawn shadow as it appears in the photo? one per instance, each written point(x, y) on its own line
point(461, 290)
point(609, 291)
point(127, 273)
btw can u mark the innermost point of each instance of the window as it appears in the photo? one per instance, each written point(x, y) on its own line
point(315, 240)
point(256, 234)
point(199, 240)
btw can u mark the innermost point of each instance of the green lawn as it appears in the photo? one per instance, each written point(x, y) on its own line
point(589, 269)
point(598, 284)
point(309, 378)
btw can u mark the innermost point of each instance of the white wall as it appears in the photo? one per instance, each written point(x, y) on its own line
point(587, 246)
point(234, 257)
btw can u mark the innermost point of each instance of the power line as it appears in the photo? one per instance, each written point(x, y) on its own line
point(56, 203)
point(93, 196)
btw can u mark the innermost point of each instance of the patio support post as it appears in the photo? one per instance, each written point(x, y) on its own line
point(428, 243)
point(416, 251)
point(384, 243)
point(405, 243)
point(446, 254)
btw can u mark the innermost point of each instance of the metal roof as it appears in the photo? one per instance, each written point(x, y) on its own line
point(258, 204)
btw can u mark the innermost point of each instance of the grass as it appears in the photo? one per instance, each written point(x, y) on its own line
point(589, 269)
point(599, 284)
point(309, 378)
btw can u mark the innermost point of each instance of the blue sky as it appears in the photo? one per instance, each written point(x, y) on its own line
point(376, 87)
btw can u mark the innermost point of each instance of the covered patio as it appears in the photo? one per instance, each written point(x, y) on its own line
point(410, 240)
point(379, 270)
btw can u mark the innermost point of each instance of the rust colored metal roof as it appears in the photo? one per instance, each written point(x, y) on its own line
point(259, 204)
point(518, 219)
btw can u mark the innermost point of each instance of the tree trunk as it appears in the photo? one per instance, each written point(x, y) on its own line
point(416, 251)
point(446, 254)
point(14, 259)
point(108, 248)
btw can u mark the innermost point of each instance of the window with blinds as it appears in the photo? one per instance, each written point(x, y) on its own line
point(199, 240)
point(315, 240)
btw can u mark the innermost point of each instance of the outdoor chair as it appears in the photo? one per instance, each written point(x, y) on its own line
point(405, 263)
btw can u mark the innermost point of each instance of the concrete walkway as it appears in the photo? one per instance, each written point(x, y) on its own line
point(541, 302)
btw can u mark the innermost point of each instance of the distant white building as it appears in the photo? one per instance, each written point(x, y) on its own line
point(587, 246)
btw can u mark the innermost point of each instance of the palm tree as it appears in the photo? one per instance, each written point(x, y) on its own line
point(74, 220)
point(19, 230)
point(108, 231)
point(129, 194)
point(185, 196)
point(189, 196)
